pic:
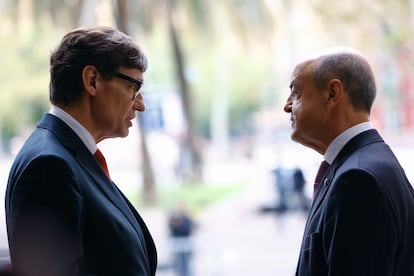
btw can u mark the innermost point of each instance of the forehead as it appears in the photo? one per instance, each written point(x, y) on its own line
point(132, 72)
point(301, 73)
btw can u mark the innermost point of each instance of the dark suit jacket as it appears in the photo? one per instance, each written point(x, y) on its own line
point(65, 217)
point(362, 218)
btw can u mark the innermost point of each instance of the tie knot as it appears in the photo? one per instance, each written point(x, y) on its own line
point(323, 167)
point(101, 160)
point(98, 155)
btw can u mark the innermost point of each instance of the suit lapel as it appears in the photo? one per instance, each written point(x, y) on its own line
point(362, 139)
point(83, 156)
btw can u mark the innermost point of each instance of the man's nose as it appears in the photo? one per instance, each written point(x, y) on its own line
point(139, 104)
point(288, 106)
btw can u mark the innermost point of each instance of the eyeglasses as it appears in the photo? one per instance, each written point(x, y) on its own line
point(138, 83)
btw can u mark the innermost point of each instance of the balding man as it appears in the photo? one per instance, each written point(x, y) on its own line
point(362, 217)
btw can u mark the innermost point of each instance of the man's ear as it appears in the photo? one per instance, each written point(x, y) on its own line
point(336, 92)
point(89, 75)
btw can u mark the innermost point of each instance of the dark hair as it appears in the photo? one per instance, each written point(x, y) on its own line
point(103, 47)
point(355, 74)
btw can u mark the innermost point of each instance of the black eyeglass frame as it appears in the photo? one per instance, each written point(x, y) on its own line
point(136, 81)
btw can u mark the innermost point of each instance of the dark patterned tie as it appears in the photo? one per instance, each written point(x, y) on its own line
point(101, 160)
point(321, 172)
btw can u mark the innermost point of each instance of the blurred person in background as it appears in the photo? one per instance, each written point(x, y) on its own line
point(181, 227)
point(64, 215)
point(361, 221)
point(290, 187)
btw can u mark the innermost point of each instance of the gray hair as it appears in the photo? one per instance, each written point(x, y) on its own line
point(355, 73)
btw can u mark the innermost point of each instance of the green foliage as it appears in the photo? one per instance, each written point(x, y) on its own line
point(248, 84)
point(246, 79)
point(221, 43)
point(23, 81)
point(160, 67)
point(196, 196)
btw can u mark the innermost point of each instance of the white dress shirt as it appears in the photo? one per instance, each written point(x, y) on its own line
point(79, 129)
point(339, 142)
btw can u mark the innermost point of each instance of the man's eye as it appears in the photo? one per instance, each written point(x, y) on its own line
point(133, 87)
point(295, 94)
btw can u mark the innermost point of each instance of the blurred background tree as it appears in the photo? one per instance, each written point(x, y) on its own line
point(227, 62)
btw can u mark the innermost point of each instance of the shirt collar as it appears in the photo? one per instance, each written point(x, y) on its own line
point(339, 142)
point(77, 127)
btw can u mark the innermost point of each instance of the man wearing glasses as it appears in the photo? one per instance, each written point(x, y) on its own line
point(64, 214)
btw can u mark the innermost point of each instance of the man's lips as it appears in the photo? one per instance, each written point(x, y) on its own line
point(130, 119)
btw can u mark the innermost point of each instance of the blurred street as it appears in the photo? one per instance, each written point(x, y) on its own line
point(235, 238)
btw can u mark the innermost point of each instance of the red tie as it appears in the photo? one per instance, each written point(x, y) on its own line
point(321, 172)
point(101, 160)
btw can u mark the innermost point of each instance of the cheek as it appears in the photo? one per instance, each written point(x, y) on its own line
point(122, 105)
point(303, 114)
point(297, 109)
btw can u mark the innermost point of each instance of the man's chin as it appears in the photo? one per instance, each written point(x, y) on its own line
point(124, 134)
point(121, 134)
point(294, 136)
point(297, 139)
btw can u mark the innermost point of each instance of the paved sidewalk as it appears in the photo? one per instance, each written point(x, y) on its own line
point(235, 239)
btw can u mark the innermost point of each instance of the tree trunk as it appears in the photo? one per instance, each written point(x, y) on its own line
point(122, 19)
point(190, 147)
point(149, 194)
point(87, 13)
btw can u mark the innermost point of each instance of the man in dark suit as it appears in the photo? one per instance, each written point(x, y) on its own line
point(362, 217)
point(64, 214)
